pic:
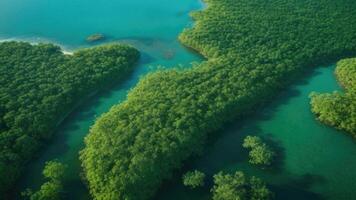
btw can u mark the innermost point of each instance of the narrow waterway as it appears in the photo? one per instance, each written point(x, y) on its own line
point(151, 26)
point(313, 161)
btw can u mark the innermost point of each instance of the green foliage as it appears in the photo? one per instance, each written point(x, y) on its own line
point(339, 109)
point(238, 187)
point(254, 49)
point(54, 170)
point(260, 153)
point(49, 191)
point(252, 141)
point(229, 187)
point(52, 189)
point(194, 179)
point(259, 190)
point(39, 86)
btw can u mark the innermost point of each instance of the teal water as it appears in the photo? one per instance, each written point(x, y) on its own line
point(151, 26)
point(313, 161)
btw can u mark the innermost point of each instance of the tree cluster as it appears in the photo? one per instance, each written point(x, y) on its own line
point(39, 86)
point(254, 49)
point(194, 179)
point(338, 109)
point(53, 188)
point(260, 153)
point(239, 187)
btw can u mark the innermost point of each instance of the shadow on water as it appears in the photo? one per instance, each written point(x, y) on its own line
point(77, 122)
point(160, 47)
point(224, 152)
point(298, 188)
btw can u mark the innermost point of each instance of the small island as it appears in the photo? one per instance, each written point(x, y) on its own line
point(95, 37)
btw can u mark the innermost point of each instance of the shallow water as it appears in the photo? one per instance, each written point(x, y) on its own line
point(313, 161)
point(151, 26)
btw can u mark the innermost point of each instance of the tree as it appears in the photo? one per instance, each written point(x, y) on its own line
point(260, 153)
point(53, 188)
point(259, 190)
point(252, 52)
point(238, 187)
point(251, 141)
point(194, 179)
point(50, 190)
point(54, 170)
point(338, 109)
point(39, 86)
point(229, 186)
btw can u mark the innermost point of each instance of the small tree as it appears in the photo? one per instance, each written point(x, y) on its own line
point(260, 153)
point(251, 141)
point(238, 187)
point(52, 189)
point(194, 179)
point(54, 170)
point(229, 186)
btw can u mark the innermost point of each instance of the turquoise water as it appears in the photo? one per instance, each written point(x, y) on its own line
point(151, 26)
point(313, 161)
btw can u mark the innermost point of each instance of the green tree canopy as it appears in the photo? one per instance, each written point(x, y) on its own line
point(53, 188)
point(260, 153)
point(254, 49)
point(239, 187)
point(194, 179)
point(338, 109)
point(252, 141)
point(54, 170)
point(39, 86)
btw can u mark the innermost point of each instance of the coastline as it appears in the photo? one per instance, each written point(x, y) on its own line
point(203, 7)
point(64, 50)
point(69, 52)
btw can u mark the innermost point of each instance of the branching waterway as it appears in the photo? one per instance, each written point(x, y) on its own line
point(314, 161)
point(150, 26)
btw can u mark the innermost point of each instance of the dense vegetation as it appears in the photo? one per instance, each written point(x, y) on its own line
point(39, 86)
point(260, 153)
point(338, 109)
point(194, 179)
point(254, 49)
point(53, 188)
point(239, 187)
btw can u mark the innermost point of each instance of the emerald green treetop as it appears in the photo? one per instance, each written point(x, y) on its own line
point(260, 153)
point(194, 179)
point(239, 187)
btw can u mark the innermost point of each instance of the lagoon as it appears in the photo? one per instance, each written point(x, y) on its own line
point(150, 26)
point(314, 161)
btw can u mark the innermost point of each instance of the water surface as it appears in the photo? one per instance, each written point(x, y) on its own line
point(151, 26)
point(314, 161)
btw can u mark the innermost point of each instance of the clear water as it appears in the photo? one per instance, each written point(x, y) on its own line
point(314, 161)
point(151, 26)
